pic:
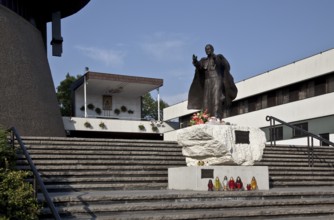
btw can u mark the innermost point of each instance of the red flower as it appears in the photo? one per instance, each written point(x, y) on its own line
point(199, 118)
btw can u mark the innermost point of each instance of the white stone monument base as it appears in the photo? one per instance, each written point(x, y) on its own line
point(190, 178)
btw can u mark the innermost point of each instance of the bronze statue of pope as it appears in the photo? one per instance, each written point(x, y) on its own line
point(213, 87)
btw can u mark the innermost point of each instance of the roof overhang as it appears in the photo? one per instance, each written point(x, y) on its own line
point(44, 9)
point(115, 84)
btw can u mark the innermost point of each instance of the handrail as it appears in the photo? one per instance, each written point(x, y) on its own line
point(37, 177)
point(310, 136)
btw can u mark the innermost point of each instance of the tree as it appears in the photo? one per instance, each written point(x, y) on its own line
point(150, 107)
point(64, 94)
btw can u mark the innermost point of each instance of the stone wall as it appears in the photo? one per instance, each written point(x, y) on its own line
point(28, 99)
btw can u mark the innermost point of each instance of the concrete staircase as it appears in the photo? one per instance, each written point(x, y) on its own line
point(289, 166)
point(74, 164)
point(127, 179)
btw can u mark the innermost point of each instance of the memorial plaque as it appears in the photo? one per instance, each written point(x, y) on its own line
point(241, 137)
point(206, 173)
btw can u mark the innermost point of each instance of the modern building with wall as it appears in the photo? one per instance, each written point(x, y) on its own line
point(300, 93)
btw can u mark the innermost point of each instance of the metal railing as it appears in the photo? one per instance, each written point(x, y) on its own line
point(310, 137)
point(37, 178)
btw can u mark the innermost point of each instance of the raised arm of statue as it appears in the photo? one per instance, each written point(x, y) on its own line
point(195, 61)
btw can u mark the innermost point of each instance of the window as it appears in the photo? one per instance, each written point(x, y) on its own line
point(252, 104)
point(324, 136)
point(271, 99)
point(294, 93)
point(278, 133)
point(320, 86)
point(298, 133)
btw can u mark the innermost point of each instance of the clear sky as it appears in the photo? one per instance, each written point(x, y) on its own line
point(157, 38)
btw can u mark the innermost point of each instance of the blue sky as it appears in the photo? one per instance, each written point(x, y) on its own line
point(157, 38)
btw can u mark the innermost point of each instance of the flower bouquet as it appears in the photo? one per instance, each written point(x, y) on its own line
point(199, 118)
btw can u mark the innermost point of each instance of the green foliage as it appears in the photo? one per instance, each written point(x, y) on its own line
point(64, 94)
point(7, 153)
point(90, 106)
point(117, 111)
point(150, 107)
point(16, 196)
point(98, 111)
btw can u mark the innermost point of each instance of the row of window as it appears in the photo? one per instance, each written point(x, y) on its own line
point(277, 133)
point(302, 90)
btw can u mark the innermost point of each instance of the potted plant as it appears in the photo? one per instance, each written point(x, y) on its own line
point(88, 125)
point(154, 128)
point(98, 111)
point(123, 108)
point(90, 106)
point(141, 127)
point(117, 111)
point(130, 111)
point(102, 125)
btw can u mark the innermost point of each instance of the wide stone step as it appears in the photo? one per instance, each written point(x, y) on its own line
point(105, 157)
point(105, 186)
point(98, 142)
point(95, 148)
point(103, 152)
point(291, 164)
point(301, 155)
point(80, 167)
point(105, 173)
point(314, 169)
point(299, 149)
point(295, 159)
point(105, 162)
point(301, 173)
point(213, 204)
point(191, 195)
point(303, 178)
point(308, 183)
point(99, 179)
point(245, 213)
point(160, 203)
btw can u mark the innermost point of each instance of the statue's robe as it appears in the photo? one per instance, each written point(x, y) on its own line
point(196, 91)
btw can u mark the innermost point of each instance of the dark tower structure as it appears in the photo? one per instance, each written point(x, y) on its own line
point(27, 93)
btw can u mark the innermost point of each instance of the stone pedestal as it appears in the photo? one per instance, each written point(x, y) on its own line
point(221, 144)
point(197, 178)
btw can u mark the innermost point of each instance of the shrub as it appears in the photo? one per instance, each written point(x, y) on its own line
point(16, 196)
point(7, 153)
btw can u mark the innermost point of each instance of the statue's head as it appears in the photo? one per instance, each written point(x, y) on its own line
point(209, 49)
